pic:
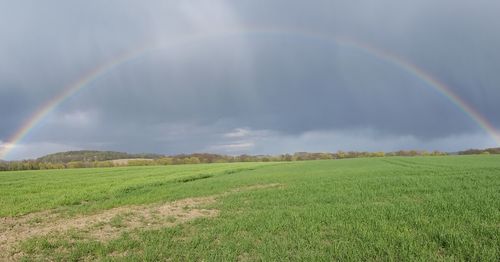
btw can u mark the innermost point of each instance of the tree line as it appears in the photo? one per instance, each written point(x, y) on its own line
point(486, 151)
point(89, 155)
point(99, 159)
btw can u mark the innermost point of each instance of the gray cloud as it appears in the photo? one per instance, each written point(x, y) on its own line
point(287, 90)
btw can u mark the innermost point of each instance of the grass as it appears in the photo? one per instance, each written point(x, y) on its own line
point(422, 208)
point(88, 190)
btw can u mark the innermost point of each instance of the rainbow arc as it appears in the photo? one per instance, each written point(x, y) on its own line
point(93, 75)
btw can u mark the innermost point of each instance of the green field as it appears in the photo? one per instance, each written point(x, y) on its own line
point(421, 208)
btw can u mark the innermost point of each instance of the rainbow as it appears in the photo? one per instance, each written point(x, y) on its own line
point(431, 81)
point(383, 55)
point(50, 105)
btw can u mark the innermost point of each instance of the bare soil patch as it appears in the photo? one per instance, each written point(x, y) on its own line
point(101, 226)
point(110, 223)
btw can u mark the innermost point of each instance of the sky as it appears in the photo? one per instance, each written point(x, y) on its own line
point(247, 77)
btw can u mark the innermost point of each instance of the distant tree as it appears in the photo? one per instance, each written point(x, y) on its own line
point(341, 154)
point(192, 160)
point(140, 162)
point(104, 164)
point(378, 154)
point(438, 153)
point(164, 161)
point(75, 164)
point(286, 157)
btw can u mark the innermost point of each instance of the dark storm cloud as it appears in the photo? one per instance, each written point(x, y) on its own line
point(14, 107)
point(279, 88)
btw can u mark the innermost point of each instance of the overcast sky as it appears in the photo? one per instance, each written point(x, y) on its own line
point(246, 76)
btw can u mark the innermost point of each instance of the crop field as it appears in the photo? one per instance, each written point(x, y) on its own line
point(377, 209)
